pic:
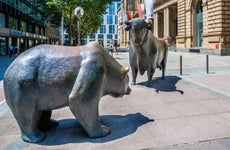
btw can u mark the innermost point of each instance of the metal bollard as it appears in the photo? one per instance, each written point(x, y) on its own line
point(207, 65)
point(180, 65)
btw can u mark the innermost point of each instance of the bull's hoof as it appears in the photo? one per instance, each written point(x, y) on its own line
point(133, 83)
point(149, 83)
point(34, 137)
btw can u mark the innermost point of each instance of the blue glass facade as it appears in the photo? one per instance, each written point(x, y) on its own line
point(109, 27)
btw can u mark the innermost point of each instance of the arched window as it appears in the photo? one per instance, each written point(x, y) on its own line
point(199, 23)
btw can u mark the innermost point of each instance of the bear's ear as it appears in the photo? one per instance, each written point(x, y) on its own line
point(125, 69)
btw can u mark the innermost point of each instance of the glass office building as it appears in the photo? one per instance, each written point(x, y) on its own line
point(108, 29)
point(22, 25)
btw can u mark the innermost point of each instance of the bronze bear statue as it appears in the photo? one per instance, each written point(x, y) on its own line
point(49, 77)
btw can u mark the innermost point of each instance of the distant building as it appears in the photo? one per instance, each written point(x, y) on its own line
point(187, 25)
point(126, 7)
point(194, 25)
point(108, 30)
point(22, 25)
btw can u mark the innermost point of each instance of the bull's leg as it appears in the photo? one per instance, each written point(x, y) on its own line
point(163, 63)
point(150, 73)
point(45, 123)
point(163, 72)
point(134, 75)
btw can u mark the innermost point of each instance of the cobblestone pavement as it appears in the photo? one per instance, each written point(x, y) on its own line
point(188, 111)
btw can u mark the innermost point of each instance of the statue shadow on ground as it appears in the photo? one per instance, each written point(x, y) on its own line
point(70, 131)
point(163, 85)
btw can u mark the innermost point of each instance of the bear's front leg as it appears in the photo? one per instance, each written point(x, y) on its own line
point(86, 112)
point(84, 99)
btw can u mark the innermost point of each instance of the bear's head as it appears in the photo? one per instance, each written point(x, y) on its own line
point(118, 81)
point(115, 79)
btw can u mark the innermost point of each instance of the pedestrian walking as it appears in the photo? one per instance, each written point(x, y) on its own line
point(111, 50)
point(115, 45)
point(11, 50)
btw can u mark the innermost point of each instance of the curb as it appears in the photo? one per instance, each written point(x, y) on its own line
point(4, 108)
point(205, 86)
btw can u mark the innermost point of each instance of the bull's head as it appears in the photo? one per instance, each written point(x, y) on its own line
point(147, 24)
point(138, 30)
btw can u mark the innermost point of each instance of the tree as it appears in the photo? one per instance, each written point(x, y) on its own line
point(90, 21)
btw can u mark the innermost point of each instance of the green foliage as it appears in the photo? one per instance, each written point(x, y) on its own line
point(90, 21)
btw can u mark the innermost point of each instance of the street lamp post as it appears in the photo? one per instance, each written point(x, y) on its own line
point(62, 24)
point(78, 12)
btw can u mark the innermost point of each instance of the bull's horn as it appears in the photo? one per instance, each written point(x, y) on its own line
point(148, 21)
point(125, 69)
point(127, 22)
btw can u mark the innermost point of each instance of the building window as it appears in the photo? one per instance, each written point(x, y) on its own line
point(102, 29)
point(100, 36)
point(111, 28)
point(131, 5)
point(118, 5)
point(42, 31)
point(2, 22)
point(111, 9)
point(116, 19)
point(109, 36)
point(109, 19)
point(102, 19)
point(13, 23)
point(92, 36)
point(30, 29)
point(23, 26)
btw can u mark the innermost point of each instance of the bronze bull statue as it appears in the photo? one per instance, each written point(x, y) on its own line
point(48, 77)
point(146, 52)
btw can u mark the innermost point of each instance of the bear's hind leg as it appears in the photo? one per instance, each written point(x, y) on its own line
point(45, 123)
point(28, 122)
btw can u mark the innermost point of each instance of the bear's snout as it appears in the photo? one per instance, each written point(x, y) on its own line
point(128, 90)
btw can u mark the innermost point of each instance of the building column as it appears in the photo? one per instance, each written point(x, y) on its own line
point(166, 25)
point(205, 26)
point(156, 25)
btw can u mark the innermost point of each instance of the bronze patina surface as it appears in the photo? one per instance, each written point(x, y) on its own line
point(146, 52)
point(48, 77)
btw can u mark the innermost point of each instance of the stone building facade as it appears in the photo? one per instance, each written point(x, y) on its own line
point(192, 25)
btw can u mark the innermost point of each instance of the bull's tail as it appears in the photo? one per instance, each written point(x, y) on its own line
point(164, 61)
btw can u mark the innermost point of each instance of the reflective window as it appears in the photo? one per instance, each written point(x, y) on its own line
point(2, 22)
point(111, 9)
point(13, 23)
point(109, 19)
point(118, 5)
point(100, 36)
point(111, 28)
point(109, 36)
point(92, 36)
point(23, 26)
point(116, 19)
point(102, 29)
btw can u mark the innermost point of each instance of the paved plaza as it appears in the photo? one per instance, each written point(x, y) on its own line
point(188, 111)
